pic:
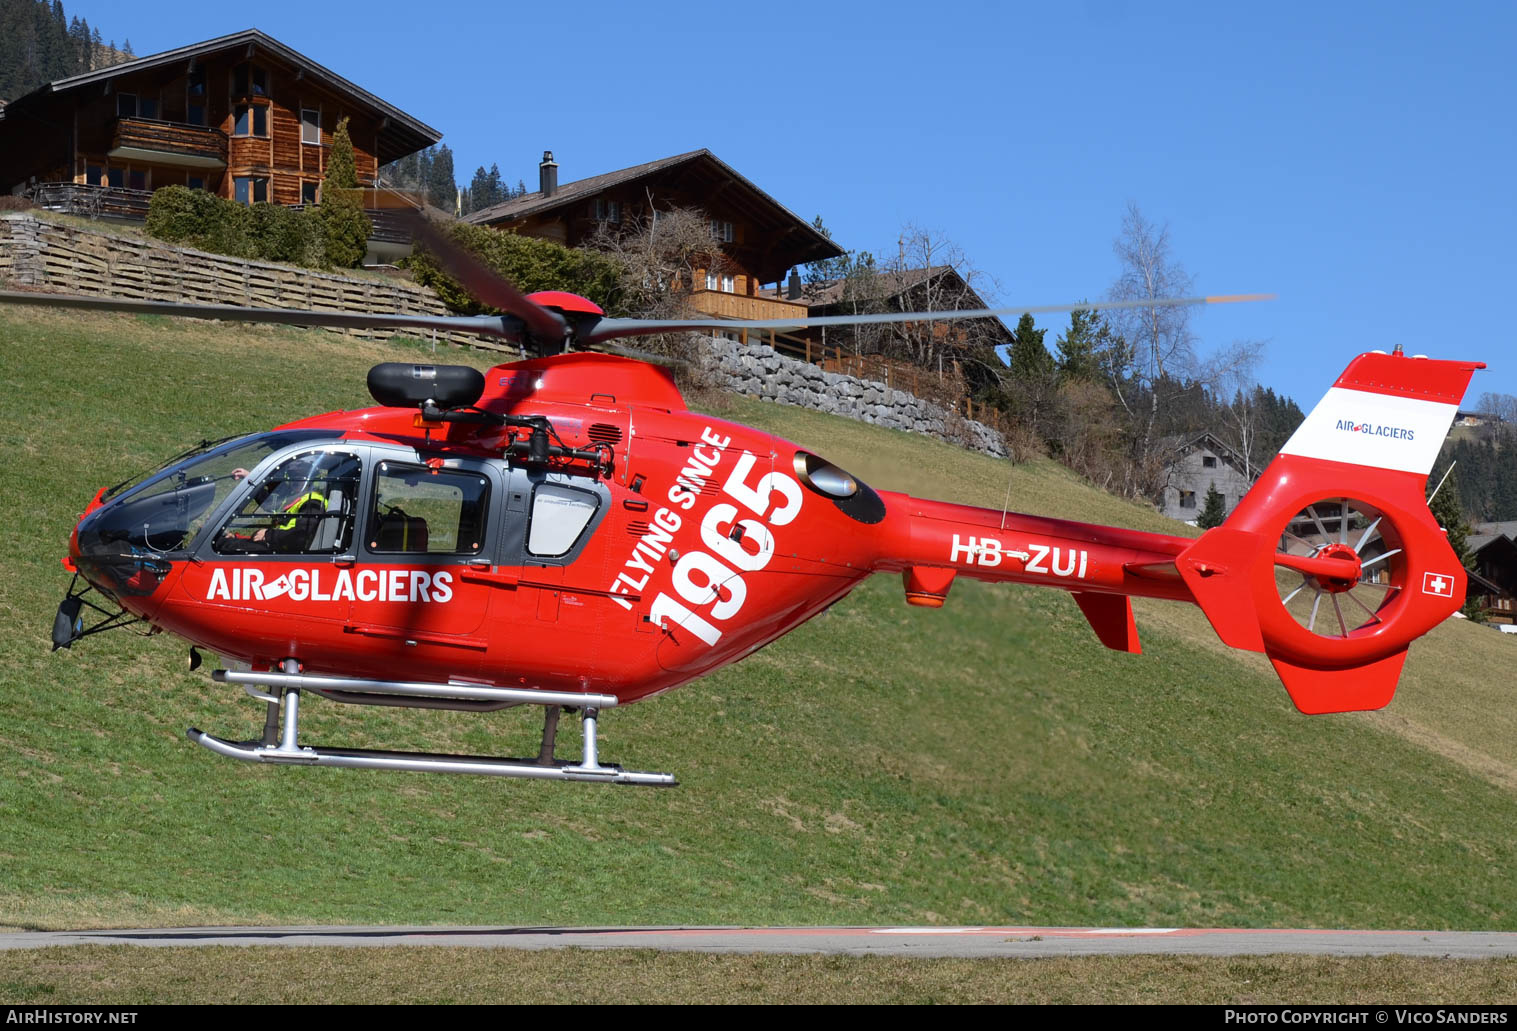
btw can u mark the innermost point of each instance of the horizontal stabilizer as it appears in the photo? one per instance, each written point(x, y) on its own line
point(1111, 618)
point(1316, 691)
point(1216, 569)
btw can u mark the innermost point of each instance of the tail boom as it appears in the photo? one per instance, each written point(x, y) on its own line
point(1362, 456)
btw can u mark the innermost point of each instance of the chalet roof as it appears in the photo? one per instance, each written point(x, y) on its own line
point(1497, 553)
point(891, 283)
point(1182, 444)
point(1508, 528)
point(403, 135)
point(826, 297)
point(804, 242)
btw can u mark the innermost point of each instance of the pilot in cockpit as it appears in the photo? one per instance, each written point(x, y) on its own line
point(284, 513)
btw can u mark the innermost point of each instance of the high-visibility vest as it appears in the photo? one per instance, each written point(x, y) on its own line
point(294, 507)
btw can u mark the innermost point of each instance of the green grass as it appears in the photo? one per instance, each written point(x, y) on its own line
point(126, 975)
point(986, 763)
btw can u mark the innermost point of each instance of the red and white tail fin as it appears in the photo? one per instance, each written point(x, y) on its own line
point(1332, 564)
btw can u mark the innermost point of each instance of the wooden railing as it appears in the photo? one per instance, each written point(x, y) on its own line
point(93, 201)
point(385, 224)
point(741, 306)
point(171, 138)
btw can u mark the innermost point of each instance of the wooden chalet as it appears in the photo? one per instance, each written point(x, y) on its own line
point(1493, 580)
point(759, 238)
point(939, 288)
point(1200, 463)
point(242, 116)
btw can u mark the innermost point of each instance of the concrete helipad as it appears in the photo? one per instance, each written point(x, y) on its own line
point(975, 942)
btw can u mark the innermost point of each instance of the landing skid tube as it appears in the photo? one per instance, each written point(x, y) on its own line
point(281, 744)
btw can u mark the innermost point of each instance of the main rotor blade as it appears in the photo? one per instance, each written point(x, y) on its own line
point(503, 326)
point(608, 328)
point(488, 286)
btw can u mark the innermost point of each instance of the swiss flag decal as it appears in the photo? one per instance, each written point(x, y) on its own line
point(1439, 584)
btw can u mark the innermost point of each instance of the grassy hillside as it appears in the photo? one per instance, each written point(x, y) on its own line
point(986, 763)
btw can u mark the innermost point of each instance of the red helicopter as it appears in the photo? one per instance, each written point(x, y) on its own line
point(563, 532)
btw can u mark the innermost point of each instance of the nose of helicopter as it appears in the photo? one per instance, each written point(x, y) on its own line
point(106, 566)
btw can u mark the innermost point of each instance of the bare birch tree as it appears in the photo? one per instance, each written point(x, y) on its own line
point(665, 256)
point(931, 273)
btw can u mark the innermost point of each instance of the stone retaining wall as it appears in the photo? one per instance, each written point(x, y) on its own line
point(760, 371)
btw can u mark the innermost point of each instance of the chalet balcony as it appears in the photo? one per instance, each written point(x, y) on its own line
point(741, 306)
point(111, 202)
point(168, 143)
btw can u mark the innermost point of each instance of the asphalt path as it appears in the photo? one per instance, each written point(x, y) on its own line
point(970, 942)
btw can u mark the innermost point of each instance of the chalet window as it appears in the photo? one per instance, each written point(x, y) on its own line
point(252, 120)
point(126, 105)
point(727, 285)
point(1187, 499)
point(195, 84)
point(115, 177)
point(310, 125)
point(195, 182)
point(607, 210)
point(147, 107)
point(195, 114)
point(712, 283)
point(93, 174)
point(250, 81)
point(308, 192)
point(1208, 462)
point(136, 179)
point(721, 230)
point(251, 190)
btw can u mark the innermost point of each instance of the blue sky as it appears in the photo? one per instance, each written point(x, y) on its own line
point(1355, 158)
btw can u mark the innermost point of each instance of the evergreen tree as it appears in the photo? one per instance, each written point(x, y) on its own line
point(441, 190)
point(1213, 511)
point(1030, 360)
point(1446, 509)
point(828, 270)
point(346, 226)
point(342, 167)
point(1079, 345)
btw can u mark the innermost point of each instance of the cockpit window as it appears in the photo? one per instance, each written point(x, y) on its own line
point(304, 506)
point(164, 511)
point(216, 459)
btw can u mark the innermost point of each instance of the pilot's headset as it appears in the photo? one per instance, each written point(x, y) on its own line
point(300, 476)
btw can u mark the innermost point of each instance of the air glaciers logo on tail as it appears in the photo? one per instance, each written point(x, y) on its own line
point(1375, 429)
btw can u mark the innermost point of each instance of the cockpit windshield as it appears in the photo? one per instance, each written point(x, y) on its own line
point(164, 511)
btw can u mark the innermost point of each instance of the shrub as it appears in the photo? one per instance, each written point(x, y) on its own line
point(529, 263)
point(267, 232)
point(178, 214)
point(277, 233)
point(10, 202)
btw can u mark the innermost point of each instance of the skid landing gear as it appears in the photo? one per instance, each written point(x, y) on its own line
point(280, 741)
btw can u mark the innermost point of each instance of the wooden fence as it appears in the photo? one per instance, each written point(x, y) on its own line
point(77, 260)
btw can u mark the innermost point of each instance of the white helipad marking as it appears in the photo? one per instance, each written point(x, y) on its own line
point(1132, 930)
point(926, 930)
